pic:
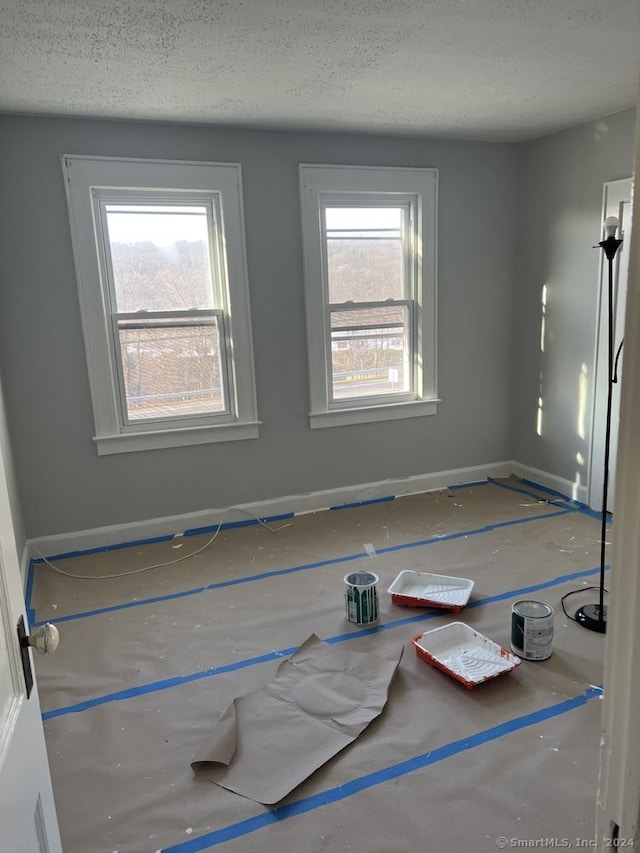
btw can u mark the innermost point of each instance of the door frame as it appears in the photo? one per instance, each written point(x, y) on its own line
point(618, 802)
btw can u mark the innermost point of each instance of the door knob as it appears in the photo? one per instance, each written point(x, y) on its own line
point(44, 639)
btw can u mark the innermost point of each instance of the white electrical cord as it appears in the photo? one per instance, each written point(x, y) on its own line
point(169, 562)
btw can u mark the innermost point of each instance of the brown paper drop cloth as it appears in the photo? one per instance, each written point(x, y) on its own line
point(271, 740)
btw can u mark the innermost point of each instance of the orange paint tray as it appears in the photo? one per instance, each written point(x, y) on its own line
point(422, 589)
point(464, 654)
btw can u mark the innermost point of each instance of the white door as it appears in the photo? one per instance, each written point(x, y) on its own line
point(617, 202)
point(28, 821)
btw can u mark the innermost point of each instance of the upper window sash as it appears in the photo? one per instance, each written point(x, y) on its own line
point(210, 202)
point(405, 205)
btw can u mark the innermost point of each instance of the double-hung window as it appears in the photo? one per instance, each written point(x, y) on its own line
point(370, 284)
point(161, 268)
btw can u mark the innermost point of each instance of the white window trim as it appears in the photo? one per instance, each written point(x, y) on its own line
point(86, 174)
point(420, 187)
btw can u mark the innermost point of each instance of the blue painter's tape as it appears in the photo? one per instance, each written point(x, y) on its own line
point(135, 544)
point(228, 525)
point(464, 533)
point(511, 488)
point(129, 604)
point(29, 590)
point(379, 777)
point(478, 602)
point(389, 549)
point(583, 508)
point(468, 485)
point(209, 529)
point(167, 537)
point(550, 491)
point(278, 572)
point(364, 503)
point(527, 590)
point(101, 550)
point(156, 686)
point(319, 564)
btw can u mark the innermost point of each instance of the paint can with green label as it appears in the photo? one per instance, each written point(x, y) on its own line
point(532, 629)
point(361, 597)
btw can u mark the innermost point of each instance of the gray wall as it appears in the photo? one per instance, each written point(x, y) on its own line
point(559, 215)
point(63, 483)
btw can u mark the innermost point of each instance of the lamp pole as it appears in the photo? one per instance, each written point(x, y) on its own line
point(594, 616)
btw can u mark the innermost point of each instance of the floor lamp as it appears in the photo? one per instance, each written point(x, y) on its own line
point(594, 616)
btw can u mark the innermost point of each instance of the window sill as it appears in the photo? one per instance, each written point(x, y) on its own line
point(182, 437)
point(370, 414)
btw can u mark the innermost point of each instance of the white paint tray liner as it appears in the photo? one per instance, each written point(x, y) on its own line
point(422, 589)
point(463, 653)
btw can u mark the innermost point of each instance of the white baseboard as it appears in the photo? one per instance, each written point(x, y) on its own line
point(566, 487)
point(121, 534)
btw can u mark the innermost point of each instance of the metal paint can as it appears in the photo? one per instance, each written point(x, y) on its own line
point(361, 597)
point(532, 629)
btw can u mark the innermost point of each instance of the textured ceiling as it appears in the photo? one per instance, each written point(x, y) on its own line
point(474, 69)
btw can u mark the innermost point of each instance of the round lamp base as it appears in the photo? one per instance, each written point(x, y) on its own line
point(589, 617)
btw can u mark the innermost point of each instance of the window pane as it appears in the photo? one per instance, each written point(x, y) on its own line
point(365, 253)
point(171, 369)
point(370, 352)
point(160, 257)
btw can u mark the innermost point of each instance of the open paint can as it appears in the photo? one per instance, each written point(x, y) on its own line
point(361, 597)
point(532, 629)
